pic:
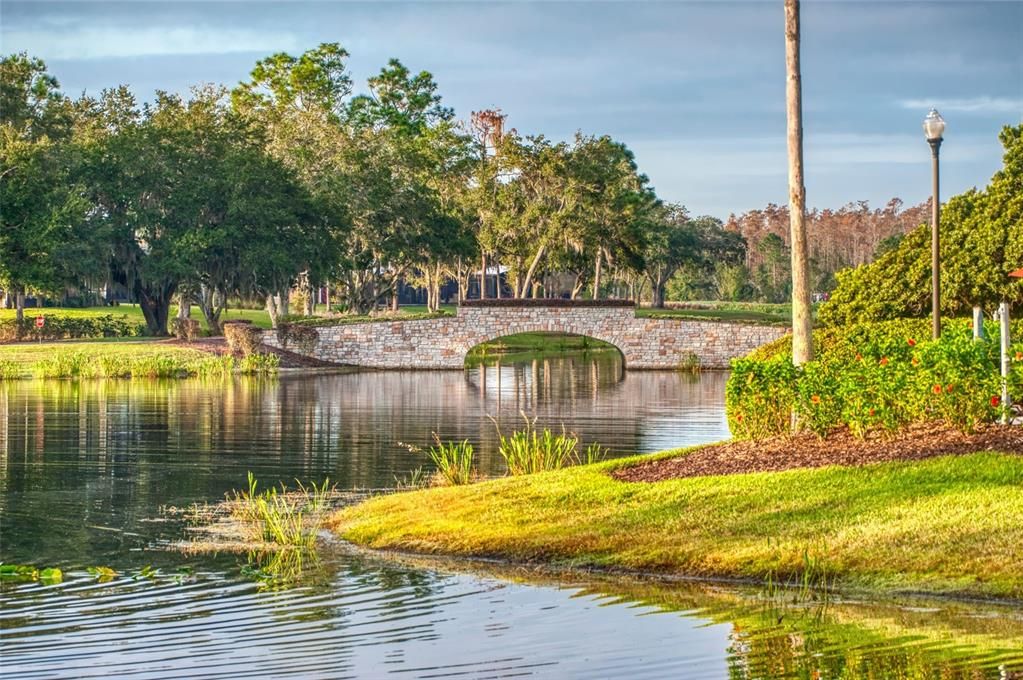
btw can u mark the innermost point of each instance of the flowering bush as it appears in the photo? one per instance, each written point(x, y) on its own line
point(759, 397)
point(882, 382)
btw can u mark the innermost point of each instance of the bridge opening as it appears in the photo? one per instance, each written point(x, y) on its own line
point(523, 347)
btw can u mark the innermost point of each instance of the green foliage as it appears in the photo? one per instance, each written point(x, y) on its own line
point(260, 364)
point(869, 377)
point(530, 450)
point(57, 327)
point(26, 572)
point(981, 242)
point(82, 364)
point(9, 370)
point(759, 397)
point(283, 518)
point(454, 462)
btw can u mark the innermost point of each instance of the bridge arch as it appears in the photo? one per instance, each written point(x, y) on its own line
point(612, 339)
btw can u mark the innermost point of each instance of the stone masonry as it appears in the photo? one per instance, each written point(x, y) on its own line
point(444, 342)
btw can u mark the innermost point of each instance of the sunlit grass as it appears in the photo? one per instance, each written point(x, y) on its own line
point(950, 524)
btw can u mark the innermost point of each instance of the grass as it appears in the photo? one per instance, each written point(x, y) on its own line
point(946, 525)
point(760, 313)
point(138, 358)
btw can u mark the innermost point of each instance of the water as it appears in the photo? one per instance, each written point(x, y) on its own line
point(88, 471)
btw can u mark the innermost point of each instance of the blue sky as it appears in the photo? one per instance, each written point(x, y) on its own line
point(696, 89)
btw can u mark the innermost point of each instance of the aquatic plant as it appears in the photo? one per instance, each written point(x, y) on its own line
point(453, 461)
point(27, 572)
point(260, 364)
point(284, 518)
point(9, 370)
point(531, 450)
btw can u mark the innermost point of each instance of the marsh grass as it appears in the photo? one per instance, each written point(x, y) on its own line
point(283, 518)
point(453, 462)
point(130, 360)
point(260, 364)
point(533, 450)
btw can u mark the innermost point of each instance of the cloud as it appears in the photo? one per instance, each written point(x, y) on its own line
point(110, 42)
point(967, 105)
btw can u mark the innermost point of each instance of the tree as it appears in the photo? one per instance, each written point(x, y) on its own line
point(40, 208)
point(670, 241)
point(982, 237)
point(802, 320)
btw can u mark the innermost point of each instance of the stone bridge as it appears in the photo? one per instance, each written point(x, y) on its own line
point(652, 343)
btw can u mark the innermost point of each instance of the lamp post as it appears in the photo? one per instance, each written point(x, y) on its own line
point(934, 126)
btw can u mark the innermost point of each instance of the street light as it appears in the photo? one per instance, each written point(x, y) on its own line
point(934, 126)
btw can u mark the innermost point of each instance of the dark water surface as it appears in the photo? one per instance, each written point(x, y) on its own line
point(88, 469)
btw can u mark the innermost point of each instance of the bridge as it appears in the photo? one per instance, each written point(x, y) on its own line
point(442, 343)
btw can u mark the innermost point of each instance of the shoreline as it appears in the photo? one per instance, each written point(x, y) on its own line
point(944, 527)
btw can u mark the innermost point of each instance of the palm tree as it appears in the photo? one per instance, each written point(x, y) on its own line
point(802, 340)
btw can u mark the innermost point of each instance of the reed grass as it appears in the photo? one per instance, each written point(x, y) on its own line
point(532, 450)
point(454, 461)
point(283, 518)
point(260, 364)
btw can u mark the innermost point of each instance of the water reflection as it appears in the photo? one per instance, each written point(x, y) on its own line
point(86, 467)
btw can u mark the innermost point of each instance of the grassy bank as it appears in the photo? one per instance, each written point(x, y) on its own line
point(945, 525)
point(107, 358)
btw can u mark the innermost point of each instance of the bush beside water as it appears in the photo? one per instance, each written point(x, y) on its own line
point(79, 364)
point(872, 377)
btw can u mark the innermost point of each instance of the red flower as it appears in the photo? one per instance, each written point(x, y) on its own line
point(996, 400)
point(948, 388)
point(859, 357)
point(1019, 356)
point(912, 342)
point(916, 361)
point(937, 389)
point(815, 399)
point(871, 411)
point(738, 418)
point(884, 361)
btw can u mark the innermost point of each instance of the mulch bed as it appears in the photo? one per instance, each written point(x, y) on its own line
point(840, 448)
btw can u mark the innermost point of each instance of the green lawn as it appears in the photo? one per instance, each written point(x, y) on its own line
point(949, 525)
point(743, 312)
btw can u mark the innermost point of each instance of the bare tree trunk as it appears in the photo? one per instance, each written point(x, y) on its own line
point(394, 299)
point(596, 273)
point(483, 276)
point(528, 279)
point(802, 323)
point(19, 306)
point(184, 306)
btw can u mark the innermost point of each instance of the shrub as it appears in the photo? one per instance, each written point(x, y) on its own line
point(303, 337)
point(869, 381)
point(185, 329)
point(242, 336)
point(759, 397)
point(57, 327)
point(958, 380)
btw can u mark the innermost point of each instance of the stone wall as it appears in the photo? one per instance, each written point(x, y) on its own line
point(444, 342)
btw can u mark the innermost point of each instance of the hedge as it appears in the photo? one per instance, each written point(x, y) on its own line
point(870, 378)
point(57, 327)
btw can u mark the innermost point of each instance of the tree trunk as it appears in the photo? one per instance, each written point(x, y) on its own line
point(528, 279)
point(394, 299)
point(155, 310)
point(483, 276)
point(184, 306)
point(802, 340)
point(19, 306)
point(310, 300)
point(577, 288)
point(657, 293)
point(596, 273)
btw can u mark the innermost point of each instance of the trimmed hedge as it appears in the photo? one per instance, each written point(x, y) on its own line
point(872, 377)
point(242, 336)
point(57, 327)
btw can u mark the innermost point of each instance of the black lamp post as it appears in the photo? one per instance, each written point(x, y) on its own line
point(934, 126)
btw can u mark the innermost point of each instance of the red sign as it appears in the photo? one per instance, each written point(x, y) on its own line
point(40, 320)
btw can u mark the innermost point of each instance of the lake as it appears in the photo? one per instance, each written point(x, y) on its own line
point(92, 474)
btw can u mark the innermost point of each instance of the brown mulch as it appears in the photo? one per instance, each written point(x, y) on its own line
point(840, 448)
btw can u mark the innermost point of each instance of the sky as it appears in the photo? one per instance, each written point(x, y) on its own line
point(695, 89)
